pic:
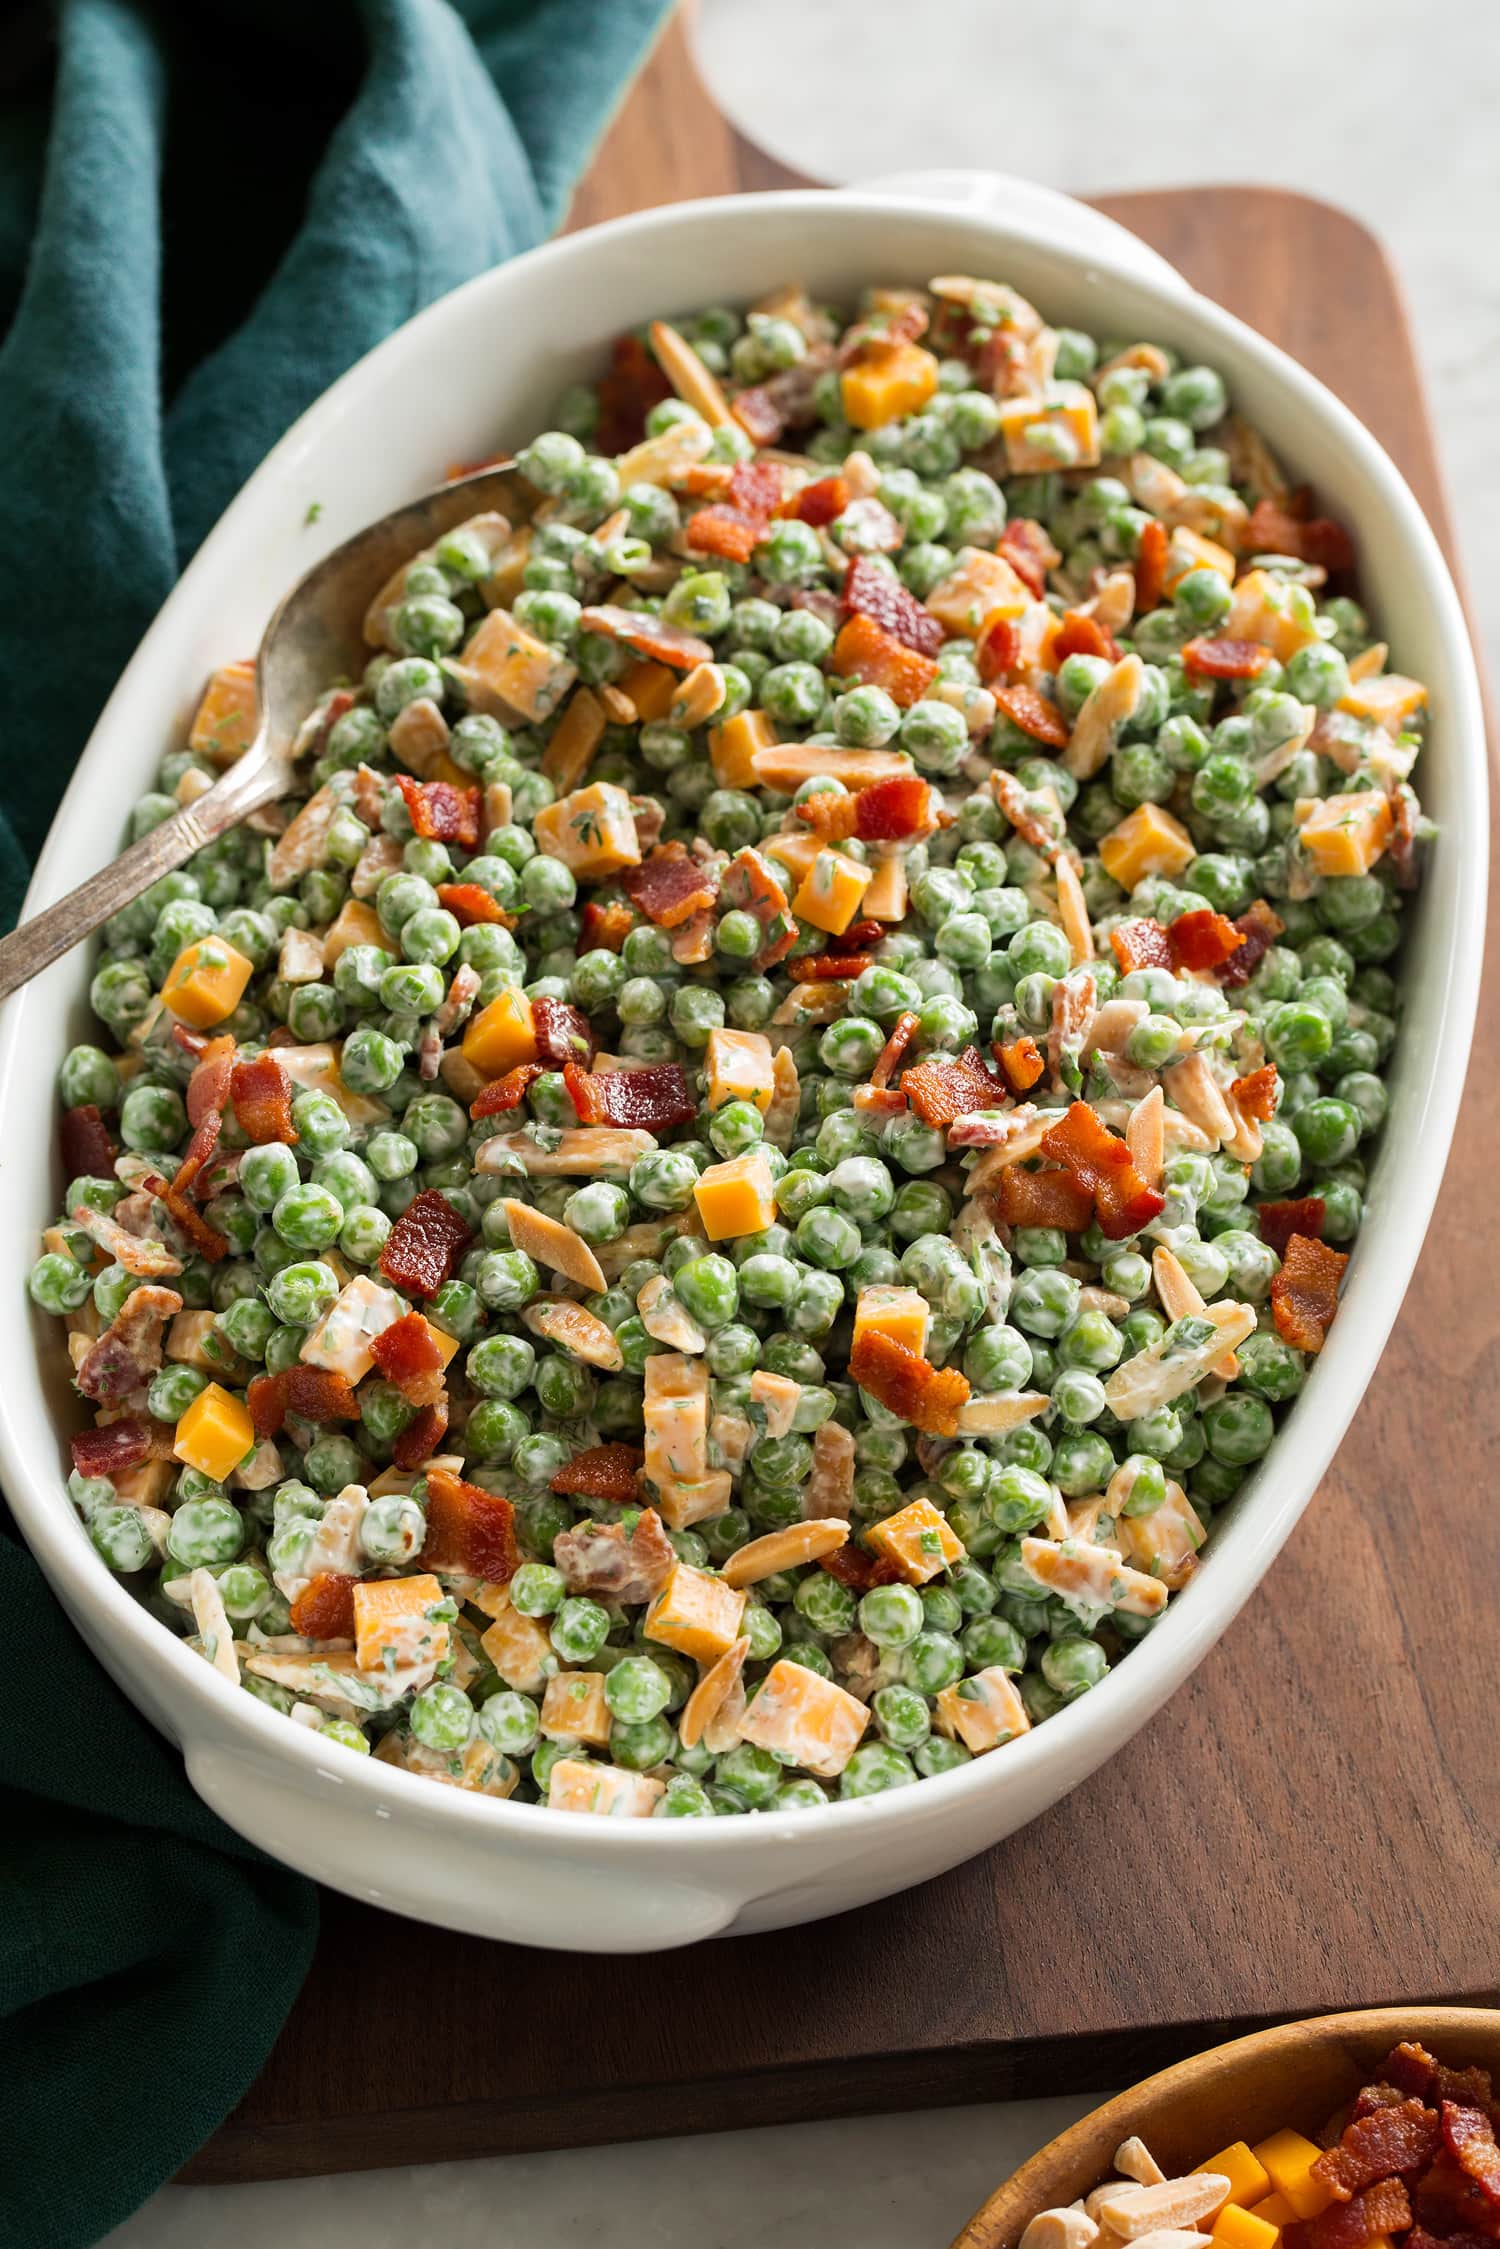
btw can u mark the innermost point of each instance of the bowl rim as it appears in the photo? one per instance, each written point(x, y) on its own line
point(1270, 1508)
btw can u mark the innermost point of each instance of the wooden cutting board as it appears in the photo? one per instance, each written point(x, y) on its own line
point(1312, 1823)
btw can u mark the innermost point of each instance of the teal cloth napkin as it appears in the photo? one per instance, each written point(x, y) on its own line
point(208, 210)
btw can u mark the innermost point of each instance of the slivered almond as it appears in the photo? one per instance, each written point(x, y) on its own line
point(707, 1698)
point(617, 706)
point(1157, 365)
point(1246, 1143)
point(1198, 1094)
point(1369, 663)
point(1145, 1136)
point(861, 474)
point(1156, 1376)
point(1105, 1300)
point(664, 1319)
point(1009, 309)
point(786, 1100)
point(666, 457)
point(687, 374)
point(1073, 911)
point(778, 1396)
point(1134, 2211)
point(1001, 1411)
point(1179, 1295)
point(1109, 705)
point(1114, 604)
point(214, 1629)
point(829, 1490)
point(578, 1332)
point(700, 695)
point(1060, 2229)
point(785, 1550)
point(786, 765)
point(553, 1244)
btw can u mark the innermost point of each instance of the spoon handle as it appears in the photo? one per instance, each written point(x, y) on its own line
point(255, 780)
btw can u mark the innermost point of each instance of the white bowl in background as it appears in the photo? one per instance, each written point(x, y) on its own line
point(479, 370)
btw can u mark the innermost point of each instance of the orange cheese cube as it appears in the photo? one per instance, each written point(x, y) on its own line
point(1249, 2180)
point(502, 1034)
point(447, 1345)
point(1346, 835)
point(520, 1650)
point(576, 1786)
point(830, 892)
point(356, 924)
point(732, 747)
point(1288, 2159)
point(886, 898)
point(736, 1197)
point(918, 1540)
point(890, 381)
point(695, 1613)
point(215, 1433)
point(1390, 699)
point(1235, 2228)
point(1275, 2210)
point(651, 687)
point(741, 1067)
point(392, 1626)
point(592, 831)
point(224, 723)
point(574, 1708)
point(575, 738)
point(1058, 432)
point(981, 586)
point(903, 1314)
point(1147, 841)
point(807, 1718)
point(205, 983)
point(792, 853)
point(509, 672)
point(984, 1712)
point(1189, 550)
point(1268, 609)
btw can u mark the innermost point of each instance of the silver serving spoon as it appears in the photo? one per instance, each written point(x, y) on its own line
point(313, 638)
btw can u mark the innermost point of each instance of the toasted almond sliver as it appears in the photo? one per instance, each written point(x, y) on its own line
point(1180, 1295)
point(617, 706)
point(1060, 2229)
point(667, 1321)
point(214, 1629)
point(1134, 2160)
point(786, 765)
point(687, 374)
point(1145, 1136)
point(553, 1244)
point(1156, 1376)
point(1073, 911)
point(1135, 2211)
point(706, 1699)
point(1200, 1097)
point(1001, 1411)
point(1369, 663)
point(785, 1550)
point(1110, 704)
point(576, 1331)
point(701, 694)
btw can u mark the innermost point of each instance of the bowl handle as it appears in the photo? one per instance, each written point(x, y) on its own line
point(1041, 210)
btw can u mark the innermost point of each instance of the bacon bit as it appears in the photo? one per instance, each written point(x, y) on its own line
point(1030, 553)
point(425, 1244)
point(1387, 2140)
point(563, 1033)
point(872, 592)
point(1140, 944)
point(1224, 659)
point(114, 1448)
point(318, 1394)
point(1451, 2204)
point(1044, 1198)
point(998, 649)
point(1470, 2138)
point(648, 636)
point(87, 1150)
point(1081, 634)
point(605, 928)
point(1303, 1215)
point(1255, 1095)
point(1023, 1062)
point(671, 885)
point(1259, 927)
point(601, 1472)
point(627, 394)
point(902, 1034)
point(186, 1216)
point(262, 1100)
point(507, 1092)
point(1305, 1293)
point(907, 1384)
point(198, 1153)
point(266, 1400)
point(469, 1530)
point(128, 1353)
point(1102, 1163)
point(440, 812)
point(407, 1354)
point(1151, 565)
point(324, 1609)
point(208, 1087)
point(859, 1570)
point(818, 503)
point(1380, 2210)
point(756, 486)
point(950, 1086)
point(469, 903)
point(1035, 714)
point(650, 1099)
point(1410, 2069)
point(889, 811)
point(1318, 539)
point(858, 938)
point(826, 965)
point(748, 882)
point(616, 1564)
point(724, 531)
point(1202, 939)
point(420, 1439)
point(759, 415)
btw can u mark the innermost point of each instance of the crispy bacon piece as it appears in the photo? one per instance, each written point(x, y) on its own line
point(601, 1472)
point(615, 1563)
point(756, 487)
point(998, 649)
point(892, 809)
point(907, 1384)
point(1123, 1202)
point(1030, 553)
point(1142, 943)
point(1449, 2203)
point(1470, 2139)
point(1035, 714)
point(186, 1216)
point(902, 1033)
point(1280, 1221)
point(420, 1439)
point(469, 903)
point(1305, 1293)
point(859, 1570)
point(1044, 1198)
point(873, 593)
point(469, 1530)
point(759, 414)
point(768, 409)
point(1081, 634)
point(1411, 2069)
point(1222, 658)
point(128, 1353)
point(1381, 2209)
point(818, 503)
point(407, 1354)
point(563, 1033)
point(199, 1152)
point(724, 531)
point(507, 1092)
point(823, 966)
point(1275, 530)
point(324, 1609)
point(1384, 2141)
point(1470, 2088)
point(627, 394)
point(858, 937)
point(425, 1244)
point(1151, 565)
point(262, 1100)
point(648, 636)
point(1259, 927)
point(653, 1098)
point(1255, 1095)
point(948, 1086)
point(748, 882)
point(671, 885)
point(440, 811)
point(208, 1087)
point(1202, 939)
point(605, 928)
point(114, 1448)
point(318, 1394)
point(266, 1400)
point(87, 1150)
point(1023, 1062)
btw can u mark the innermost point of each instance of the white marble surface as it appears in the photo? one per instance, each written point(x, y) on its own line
point(1385, 109)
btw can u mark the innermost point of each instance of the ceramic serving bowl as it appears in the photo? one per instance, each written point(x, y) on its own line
point(478, 371)
point(1297, 2074)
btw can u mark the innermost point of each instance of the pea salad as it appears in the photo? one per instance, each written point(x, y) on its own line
point(704, 1220)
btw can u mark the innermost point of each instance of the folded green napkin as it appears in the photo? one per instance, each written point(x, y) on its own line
point(208, 209)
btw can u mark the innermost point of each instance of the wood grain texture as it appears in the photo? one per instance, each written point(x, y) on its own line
point(1312, 1822)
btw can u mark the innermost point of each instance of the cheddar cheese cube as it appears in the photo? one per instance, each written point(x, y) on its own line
point(418, 737)
point(695, 1613)
point(1346, 835)
point(592, 831)
point(830, 892)
point(575, 738)
point(502, 1034)
point(886, 898)
point(574, 1708)
point(215, 1433)
point(1060, 431)
point(1389, 700)
point(1278, 615)
point(1189, 550)
point(224, 723)
point(981, 586)
point(918, 1540)
point(809, 1719)
point(1275, 2210)
point(1235, 2228)
point(732, 746)
point(509, 672)
point(447, 1345)
point(1288, 2158)
point(1249, 2180)
point(205, 983)
point(676, 1416)
point(888, 382)
point(903, 1314)
point(341, 1340)
point(520, 1650)
point(574, 1785)
point(393, 1626)
point(736, 1197)
point(1147, 841)
point(983, 1713)
point(682, 1501)
point(652, 688)
point(355, 924)
point(741, 1067)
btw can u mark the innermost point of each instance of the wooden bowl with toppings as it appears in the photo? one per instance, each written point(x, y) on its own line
point(1295, 2078)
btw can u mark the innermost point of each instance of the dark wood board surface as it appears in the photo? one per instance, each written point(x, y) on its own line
point(1312, 1823)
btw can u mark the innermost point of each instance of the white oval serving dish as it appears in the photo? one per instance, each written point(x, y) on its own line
point(477, 371)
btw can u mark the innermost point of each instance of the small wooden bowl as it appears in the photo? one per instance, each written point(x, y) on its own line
point(1296, 2074)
